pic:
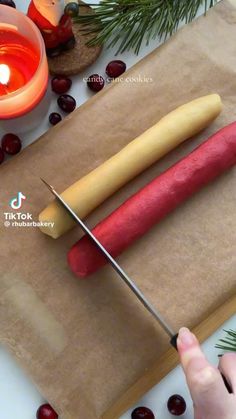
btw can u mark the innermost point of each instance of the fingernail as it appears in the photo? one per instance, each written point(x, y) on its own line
point(186, 338)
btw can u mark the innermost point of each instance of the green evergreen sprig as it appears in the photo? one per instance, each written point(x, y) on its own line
point(128, 22)
point(229, 342)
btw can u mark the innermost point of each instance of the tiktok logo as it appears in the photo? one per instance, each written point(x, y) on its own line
point(16, 203)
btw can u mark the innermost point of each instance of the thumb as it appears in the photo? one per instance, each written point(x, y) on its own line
point(205, 382)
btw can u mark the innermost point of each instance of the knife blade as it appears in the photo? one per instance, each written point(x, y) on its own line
point(119, 270)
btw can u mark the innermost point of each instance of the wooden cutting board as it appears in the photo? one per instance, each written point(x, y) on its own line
point(169, 360)
point(86, 342)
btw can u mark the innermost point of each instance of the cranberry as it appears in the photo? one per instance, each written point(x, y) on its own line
point(8, 3)
point(115, 68)
point(46, 412)
point(11, 144)
point(67, 103)
point(95, 82)
point(142, 413)
point(176, 405)
point(61, 84)
point(54, 118)
point(72, 9)
point(1, 155)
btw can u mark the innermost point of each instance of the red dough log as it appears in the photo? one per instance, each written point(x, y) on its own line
point(157, 199)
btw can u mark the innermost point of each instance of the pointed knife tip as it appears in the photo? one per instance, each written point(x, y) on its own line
point(47, 184)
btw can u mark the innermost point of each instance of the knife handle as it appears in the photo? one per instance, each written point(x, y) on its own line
point(173, 343)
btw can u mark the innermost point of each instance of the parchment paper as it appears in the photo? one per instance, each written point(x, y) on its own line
point(85, 342)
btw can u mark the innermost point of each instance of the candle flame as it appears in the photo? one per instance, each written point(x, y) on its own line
point(4, 74)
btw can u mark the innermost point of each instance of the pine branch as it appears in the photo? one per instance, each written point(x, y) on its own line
point(229, 342)
point(128, 22)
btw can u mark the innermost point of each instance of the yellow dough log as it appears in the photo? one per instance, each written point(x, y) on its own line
point(94, 188)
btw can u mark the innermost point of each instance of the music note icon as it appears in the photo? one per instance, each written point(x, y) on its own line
point(16, 202)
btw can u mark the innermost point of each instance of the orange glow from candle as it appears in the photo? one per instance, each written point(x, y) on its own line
point(19, 58)
point(23, 62)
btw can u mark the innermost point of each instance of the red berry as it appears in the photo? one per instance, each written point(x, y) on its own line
point(176, 405)
point(46, 412)
point(8, 3)
point(95, 82)
point(72, 9)
point(1, 155)
point(142, 413)
point(54, 118)
point(115, 68)
point(67, 103)
point(61, 84)
point(11, 144)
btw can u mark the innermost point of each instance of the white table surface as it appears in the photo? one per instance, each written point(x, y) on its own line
point(19, 398)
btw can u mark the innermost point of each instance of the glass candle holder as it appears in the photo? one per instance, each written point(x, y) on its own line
point(23, 72)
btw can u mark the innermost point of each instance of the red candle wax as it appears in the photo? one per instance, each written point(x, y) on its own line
point(22, 58)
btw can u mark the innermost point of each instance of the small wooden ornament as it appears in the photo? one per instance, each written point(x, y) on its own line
point(80, 57)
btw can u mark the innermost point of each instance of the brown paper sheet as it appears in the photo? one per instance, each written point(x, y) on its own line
point(85, 342)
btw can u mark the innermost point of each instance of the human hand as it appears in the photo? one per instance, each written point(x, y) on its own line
point(210, 397)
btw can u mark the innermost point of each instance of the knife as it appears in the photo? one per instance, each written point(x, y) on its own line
point(123, 275)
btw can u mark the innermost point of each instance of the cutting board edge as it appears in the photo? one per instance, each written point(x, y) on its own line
point(169, 360)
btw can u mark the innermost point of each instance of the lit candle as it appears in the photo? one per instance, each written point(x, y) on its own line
point(4, 78)
point(23, 66)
